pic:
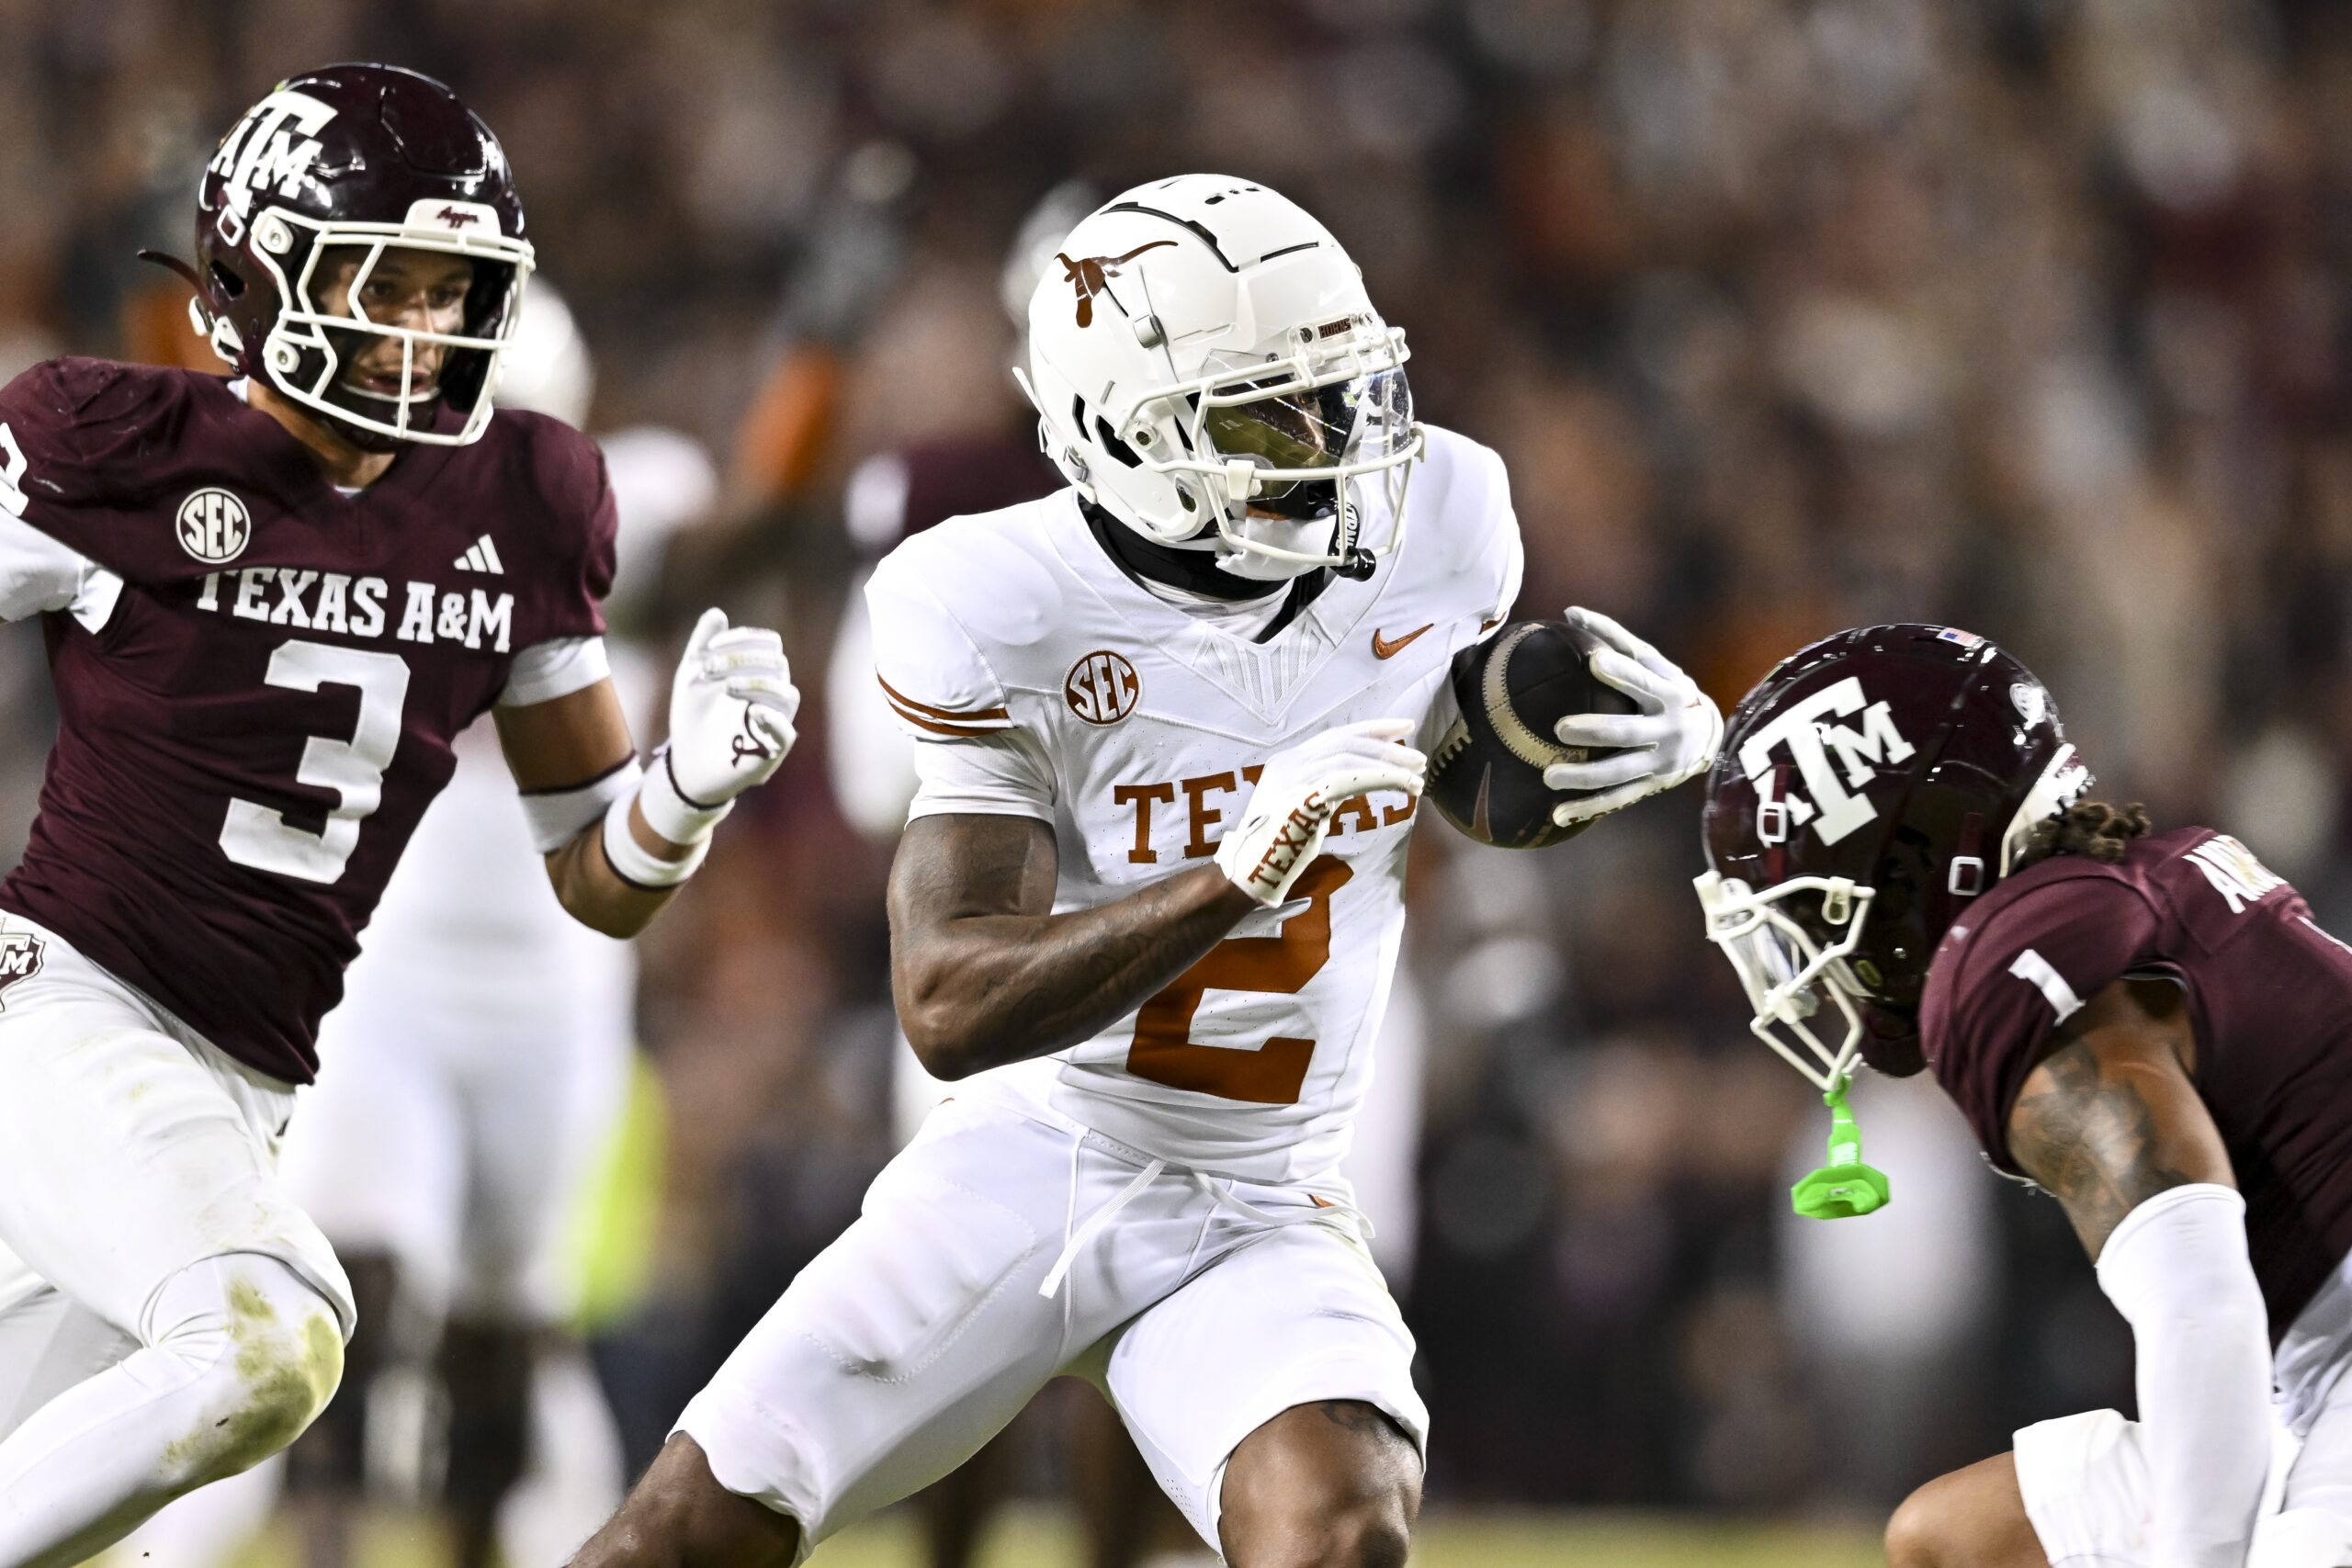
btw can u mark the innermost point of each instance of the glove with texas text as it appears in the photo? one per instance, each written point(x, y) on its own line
point(1283, 826)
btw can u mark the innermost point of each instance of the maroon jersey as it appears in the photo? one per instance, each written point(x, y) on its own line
point(2269, 995)
point(247, 741)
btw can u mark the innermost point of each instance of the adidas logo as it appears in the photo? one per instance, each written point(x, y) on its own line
point(482, 556)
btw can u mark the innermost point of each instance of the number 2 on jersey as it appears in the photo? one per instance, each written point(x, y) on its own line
point(1275, 1072)
point(259, 836)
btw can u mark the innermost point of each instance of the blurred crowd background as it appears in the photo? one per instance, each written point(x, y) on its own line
point(2028, 315)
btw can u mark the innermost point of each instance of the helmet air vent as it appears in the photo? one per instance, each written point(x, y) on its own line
point(1109, 442)
point(1199, 230)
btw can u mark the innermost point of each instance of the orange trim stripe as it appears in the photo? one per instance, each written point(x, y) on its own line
point(906, 701)
point(938, 729)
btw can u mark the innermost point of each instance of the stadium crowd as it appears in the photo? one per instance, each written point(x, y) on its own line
point(1786, 314)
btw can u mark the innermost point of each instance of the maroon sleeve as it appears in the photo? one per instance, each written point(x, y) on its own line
point(78, 437)
point(2002, 985)
point(580, 521)
point(42, 411)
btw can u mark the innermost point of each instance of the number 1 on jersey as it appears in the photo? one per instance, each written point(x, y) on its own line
point(259, 836)
point(1275, 1072)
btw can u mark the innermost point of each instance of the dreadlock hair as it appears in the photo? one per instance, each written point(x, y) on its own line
point(2089, 828)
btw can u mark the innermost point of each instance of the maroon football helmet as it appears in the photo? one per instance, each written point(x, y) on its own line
point(1867, 789)
point(352, 160)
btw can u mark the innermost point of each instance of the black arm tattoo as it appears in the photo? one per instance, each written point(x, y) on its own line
point(1355, 1415)
point(2108, 1118)
point(985, 975)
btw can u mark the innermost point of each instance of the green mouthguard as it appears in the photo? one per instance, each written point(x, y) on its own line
point(1845, 1187)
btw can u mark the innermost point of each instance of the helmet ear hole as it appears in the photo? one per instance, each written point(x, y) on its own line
point(1109, 442)
point(231, 286)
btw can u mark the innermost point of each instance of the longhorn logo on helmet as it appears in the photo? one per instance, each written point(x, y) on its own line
point(1091, 275)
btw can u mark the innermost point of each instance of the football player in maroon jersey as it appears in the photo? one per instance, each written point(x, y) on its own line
point(271, 602)
point(2146, 1025)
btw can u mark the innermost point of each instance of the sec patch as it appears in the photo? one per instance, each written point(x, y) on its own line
point(1102, 687)
point(213, 525)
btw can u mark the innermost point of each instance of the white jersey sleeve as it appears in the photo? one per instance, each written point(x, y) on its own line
point(1485, 558)
point(558, 668)
point(932, 672)
point(969, 755)
point(1004, 775)
point(1496, 559)
point(38, 575)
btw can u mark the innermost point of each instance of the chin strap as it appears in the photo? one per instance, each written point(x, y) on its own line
point(1844, 1188)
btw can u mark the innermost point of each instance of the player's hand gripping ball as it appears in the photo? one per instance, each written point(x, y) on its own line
point(1284, 822)
point(731, 707)
point(1561, 723)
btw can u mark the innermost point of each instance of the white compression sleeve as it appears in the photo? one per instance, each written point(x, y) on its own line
point(2178, 1271)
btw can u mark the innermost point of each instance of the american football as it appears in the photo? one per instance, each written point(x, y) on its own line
point(713, 745)
point(1486, 773)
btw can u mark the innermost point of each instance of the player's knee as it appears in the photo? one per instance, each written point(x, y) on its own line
point(680, 1516)
point(1365, 1532)
point(1919, 1535)
point(1375, 1534)
point(269, 1345)
point(1357, 1513)
point(1971, 1518)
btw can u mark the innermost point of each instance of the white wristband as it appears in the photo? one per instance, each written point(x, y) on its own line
point(557, 816)
point(668, 811)
point(640, 867)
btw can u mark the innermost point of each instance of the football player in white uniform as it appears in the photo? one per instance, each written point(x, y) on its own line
point(1174, 718)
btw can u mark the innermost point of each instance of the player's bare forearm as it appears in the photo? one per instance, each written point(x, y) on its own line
point(552, 747)
point(985, 973)
point(2110, 1118)
point(595, 895)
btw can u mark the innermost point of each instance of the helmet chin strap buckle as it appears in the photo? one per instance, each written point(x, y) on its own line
point(1356, 563)
point(1845, 1188)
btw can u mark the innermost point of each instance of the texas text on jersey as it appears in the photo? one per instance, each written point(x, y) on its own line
point(259, 704)
point(2269, 991)
point(1136, 729)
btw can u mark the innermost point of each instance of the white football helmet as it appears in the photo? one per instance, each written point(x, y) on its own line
point(546, 367)
point(1208, 369)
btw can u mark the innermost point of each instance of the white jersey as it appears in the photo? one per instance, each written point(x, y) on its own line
point(1044, 681)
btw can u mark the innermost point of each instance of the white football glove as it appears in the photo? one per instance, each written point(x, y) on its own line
point(1674, 736)
point(731, 707)
point(1283, 826)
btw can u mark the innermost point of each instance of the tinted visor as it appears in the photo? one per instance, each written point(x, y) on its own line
point(1364, 419)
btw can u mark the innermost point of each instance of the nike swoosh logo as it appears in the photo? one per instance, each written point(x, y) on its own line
point(1384, 648)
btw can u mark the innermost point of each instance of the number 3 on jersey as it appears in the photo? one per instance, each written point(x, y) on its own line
point(1275, 1072)
point(260, 837)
